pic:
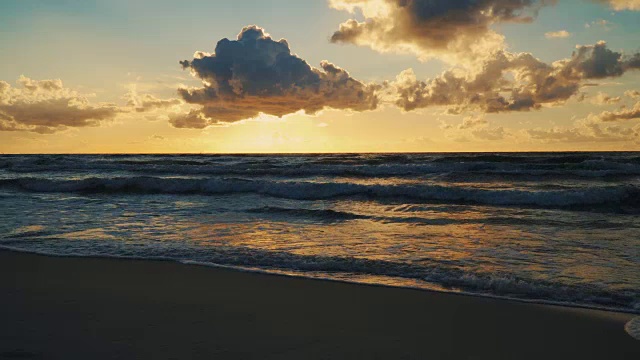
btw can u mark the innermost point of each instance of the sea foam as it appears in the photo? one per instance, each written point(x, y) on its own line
point(633, 328)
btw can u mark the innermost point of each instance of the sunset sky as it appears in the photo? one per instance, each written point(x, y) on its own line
point(134, 76)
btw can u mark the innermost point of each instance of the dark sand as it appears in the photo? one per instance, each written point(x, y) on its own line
point(74, 308)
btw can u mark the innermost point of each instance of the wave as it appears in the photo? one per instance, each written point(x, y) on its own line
point(326, 215)
point(627, 196)
point(434, 272)
point(335, 216)
point(458, 172)
point(540, 158)
point(463, 167)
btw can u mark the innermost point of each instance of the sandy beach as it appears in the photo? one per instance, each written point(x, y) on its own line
point(80, 308)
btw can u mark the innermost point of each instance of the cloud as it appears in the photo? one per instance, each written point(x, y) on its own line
point(512, 82)
point(633, 94)
point(586, 131)
point(623, 114)
point(451, 30)
point(46, 106)
point(598, 62)
point(474, 128)
point(557, 34)
point(600, 22)
point(471, 122)
point(605, 99)
point(622, 4)
point(491, 134)
point(194, 119)
point(148, 102)
point(256, 74)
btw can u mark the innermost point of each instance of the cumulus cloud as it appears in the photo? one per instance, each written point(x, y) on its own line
point(633, 94)
point(256, 74)
point(148, 102)
point(598, 62)
point(474, 128)
point(471, 122)
point(451, 30)
point(557, 34)
point(46, 106)
point(605, 99)
point(622, 4)
point(512, 82)
point(194, 119)
point(623, 114)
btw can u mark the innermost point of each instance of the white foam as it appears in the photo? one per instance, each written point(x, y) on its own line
point(633, 328)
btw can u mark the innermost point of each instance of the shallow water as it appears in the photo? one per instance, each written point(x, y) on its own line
point(560, 227)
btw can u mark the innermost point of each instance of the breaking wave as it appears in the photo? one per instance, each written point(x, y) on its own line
point(456, 167)
point(627, 196)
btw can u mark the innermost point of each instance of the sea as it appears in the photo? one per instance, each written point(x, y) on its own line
point(560, 228)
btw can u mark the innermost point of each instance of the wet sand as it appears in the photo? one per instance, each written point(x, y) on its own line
point(78, 308)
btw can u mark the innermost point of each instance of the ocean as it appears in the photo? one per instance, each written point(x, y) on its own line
point(558, 228)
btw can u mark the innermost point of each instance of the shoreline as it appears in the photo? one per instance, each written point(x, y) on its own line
point(329, 279)
point(102, 308)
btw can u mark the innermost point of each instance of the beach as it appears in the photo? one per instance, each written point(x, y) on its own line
point(90, 308)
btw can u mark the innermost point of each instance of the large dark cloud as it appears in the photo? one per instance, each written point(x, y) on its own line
point(432, 28)
point(46, 106)
point(256, 74)
point(513, 82)
point(598, 62)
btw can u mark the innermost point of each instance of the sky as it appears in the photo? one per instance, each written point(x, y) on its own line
point(283, 76)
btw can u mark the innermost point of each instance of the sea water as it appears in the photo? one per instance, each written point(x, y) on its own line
point(543, 227)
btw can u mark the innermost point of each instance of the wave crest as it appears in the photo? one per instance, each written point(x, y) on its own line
point(616, 195)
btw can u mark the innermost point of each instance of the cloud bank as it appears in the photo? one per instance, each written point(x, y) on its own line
point(46, 106)
point(450, 30)
point(256, 74)
point(513, 82)
point(586, 131)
